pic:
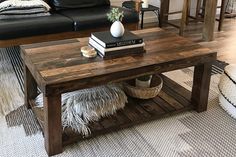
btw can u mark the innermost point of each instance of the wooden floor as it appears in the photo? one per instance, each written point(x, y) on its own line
point(224, 43)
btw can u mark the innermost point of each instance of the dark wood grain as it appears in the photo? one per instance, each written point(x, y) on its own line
point(30, 86)
point(172, 89)
point(209, 11)
point(59, 67)
point(151, 107)
point(52, 125)
point(164, 104)
point(171, 100)
point(184, 17)
point(135, 112)
point(223, 43)
point(222, 14)
point(164, 10)
point(62, 65)
point(201, 83)
point(164, 13)
point(201, 5)
point(209, 20)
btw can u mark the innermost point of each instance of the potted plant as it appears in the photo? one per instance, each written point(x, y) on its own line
point(143, 81)
point(117, 28)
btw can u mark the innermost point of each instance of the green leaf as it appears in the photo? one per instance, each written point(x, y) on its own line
point(115, 15)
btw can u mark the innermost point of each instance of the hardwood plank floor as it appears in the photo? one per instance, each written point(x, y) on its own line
point(224, 43)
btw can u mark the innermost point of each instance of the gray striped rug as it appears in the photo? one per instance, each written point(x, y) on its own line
point(11, 96)
point(210, 133)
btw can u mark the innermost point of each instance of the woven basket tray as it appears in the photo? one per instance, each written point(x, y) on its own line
point(141, 92)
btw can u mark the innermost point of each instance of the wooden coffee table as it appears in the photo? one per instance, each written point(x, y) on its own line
point(58, 67)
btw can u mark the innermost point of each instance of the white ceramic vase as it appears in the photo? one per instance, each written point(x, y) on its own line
point(117, 29)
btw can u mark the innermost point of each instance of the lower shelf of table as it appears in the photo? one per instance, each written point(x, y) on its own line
point(172, 99)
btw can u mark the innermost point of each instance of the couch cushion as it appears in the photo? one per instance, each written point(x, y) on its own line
point(55, 23)
point(70, 4)
point(85, 18)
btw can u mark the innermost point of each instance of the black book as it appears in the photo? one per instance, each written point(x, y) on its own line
point(106, 40)
point(104, 51)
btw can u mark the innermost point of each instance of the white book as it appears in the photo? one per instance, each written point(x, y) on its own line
point(104, 50)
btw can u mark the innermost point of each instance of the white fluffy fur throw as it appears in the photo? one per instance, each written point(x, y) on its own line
point(24, 4)
point(18, 9)
point(88, 105)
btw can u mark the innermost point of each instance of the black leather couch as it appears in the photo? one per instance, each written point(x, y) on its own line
point(66, 16)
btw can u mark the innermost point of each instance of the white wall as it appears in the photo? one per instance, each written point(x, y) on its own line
point(175, 5)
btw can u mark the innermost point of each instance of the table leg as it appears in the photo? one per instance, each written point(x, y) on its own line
point(209, 20)
point(200, 89)
point(203, 8)
point(157, 12)
point(184, 17)
point(30, 86)
point(164, 10)
point(222, 14)
point(188, 11)
point(52, 126)
point(142, 14)
point(198, 8)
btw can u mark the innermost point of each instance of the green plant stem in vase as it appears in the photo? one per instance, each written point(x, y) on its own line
point(115, 16)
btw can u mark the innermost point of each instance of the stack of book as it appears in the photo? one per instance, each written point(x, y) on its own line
point(106, 45)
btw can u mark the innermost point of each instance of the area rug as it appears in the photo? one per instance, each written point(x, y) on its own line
point(11, 96)
point(211, 133)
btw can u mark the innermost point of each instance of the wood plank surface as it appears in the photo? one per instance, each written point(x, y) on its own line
point(201, 85)
point(59, 67)
point(30, 87)
point(62, 65)
point(52, 125)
